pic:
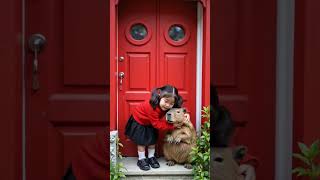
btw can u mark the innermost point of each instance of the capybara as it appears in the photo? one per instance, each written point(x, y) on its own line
point(179, 142)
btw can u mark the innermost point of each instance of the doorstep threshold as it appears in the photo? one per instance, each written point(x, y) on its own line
point(130, 163)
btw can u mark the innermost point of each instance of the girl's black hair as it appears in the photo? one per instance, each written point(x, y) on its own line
point(165, 91)
point(214, 99)
point(222, 126)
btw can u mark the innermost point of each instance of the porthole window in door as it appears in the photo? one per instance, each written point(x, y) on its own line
point(176, 32)
point(138, 31)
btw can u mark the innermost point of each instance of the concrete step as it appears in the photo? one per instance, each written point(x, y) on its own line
point(164, 172)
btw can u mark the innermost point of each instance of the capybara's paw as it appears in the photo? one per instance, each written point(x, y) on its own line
point(169, 139)
point(177, 140)
point(170, 163)
point(188, 166)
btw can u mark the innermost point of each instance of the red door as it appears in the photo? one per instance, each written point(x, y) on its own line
point(243, 69)
point(157, 46)
point(72, 102)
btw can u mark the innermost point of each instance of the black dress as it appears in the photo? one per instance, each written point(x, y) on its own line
point(140, 134)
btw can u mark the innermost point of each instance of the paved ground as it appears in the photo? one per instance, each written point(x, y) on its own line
point(130, 164)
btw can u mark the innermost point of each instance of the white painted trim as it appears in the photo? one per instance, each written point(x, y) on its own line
point(199, 66)
point(284, 89)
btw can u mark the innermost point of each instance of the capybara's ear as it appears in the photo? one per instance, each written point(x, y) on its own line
point(184, 110)
point(239, 152)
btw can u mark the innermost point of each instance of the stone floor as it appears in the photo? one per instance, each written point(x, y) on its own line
point(164, 172)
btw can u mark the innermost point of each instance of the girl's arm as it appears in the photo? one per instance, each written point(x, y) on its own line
point(249, 159)
point(158, 123)
point(161, 124)
point(248, 166)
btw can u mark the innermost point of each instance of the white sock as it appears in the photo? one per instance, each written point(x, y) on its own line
point(141, 155)
point(151, 152)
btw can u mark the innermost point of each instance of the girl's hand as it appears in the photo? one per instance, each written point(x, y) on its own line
point(248, 171)
point(187, 119)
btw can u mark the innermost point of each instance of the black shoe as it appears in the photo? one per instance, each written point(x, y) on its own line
point(153, 162)
point(143, 164)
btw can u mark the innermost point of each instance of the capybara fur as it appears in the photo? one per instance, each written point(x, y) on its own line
point(224, 164)
point(224, 159)
point(179, 142)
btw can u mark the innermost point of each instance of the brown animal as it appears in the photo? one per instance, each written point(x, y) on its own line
point(225, 163)
point(224, 159)
point(180, 141)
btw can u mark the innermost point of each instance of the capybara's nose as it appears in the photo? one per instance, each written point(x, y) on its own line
point(168, 117)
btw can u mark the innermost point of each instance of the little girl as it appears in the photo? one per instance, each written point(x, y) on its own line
point(145, 121)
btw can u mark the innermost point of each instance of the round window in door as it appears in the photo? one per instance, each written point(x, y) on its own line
point(176, 34)
point(138, 33)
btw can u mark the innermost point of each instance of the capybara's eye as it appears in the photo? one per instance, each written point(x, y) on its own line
point(218, 159)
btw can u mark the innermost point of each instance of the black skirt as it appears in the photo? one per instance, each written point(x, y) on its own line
point(140, 134)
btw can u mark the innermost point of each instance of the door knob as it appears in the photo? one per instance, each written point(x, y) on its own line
point(36, 42)
point(121, 76)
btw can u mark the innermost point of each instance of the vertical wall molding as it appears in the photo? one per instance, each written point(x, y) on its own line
point(284, 89)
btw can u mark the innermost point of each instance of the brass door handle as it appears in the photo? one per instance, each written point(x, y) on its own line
point(121, 76)
point(36, 43)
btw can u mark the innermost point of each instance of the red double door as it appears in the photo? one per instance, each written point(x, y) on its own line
point(71, 104)
point(157, 46)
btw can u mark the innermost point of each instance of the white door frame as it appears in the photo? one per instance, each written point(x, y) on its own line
point(284, 89)
point(199, 65)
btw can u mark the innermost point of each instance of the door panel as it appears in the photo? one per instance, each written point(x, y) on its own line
point(72, 102)
point(243, 69)
point(139, 64)
point(85, 28)
point(155, 59)
point(177, 59)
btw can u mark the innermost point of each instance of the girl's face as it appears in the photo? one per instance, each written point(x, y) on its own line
point(166, 103)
